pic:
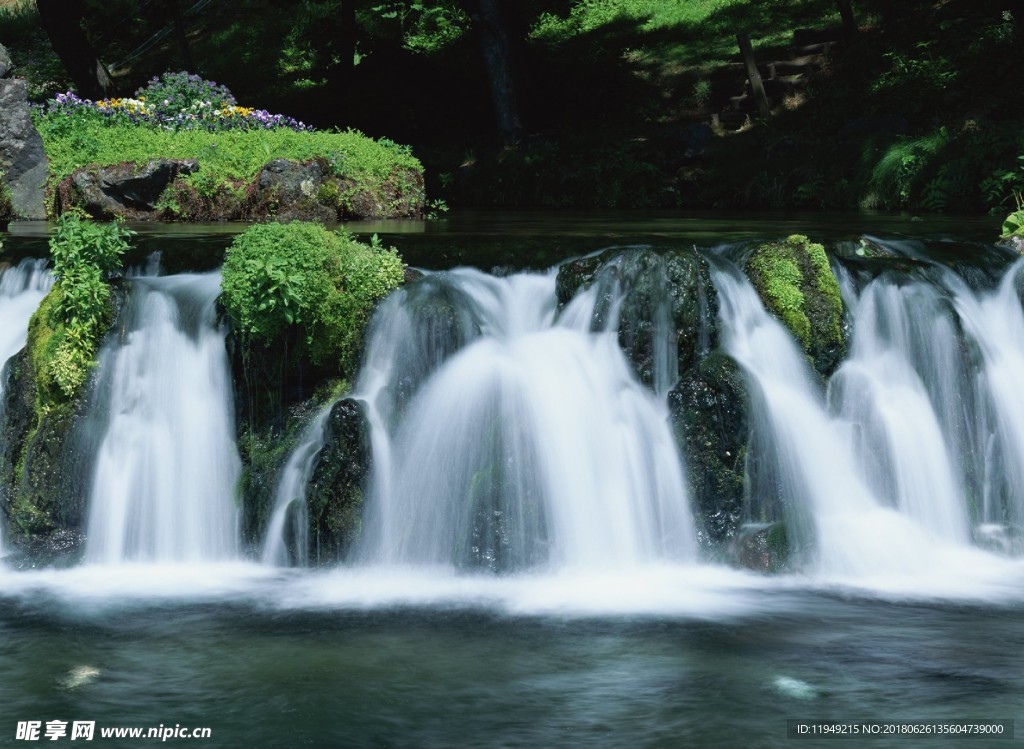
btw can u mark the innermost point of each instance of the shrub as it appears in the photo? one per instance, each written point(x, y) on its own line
point(278, 276)
point(66, 330)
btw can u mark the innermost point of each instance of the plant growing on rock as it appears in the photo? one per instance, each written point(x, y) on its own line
point(278, 277)
point(66, 330)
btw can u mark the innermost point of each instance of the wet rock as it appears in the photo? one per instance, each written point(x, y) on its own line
point(335, 493)
point(125, 190)
point(23, 162)
point(708, 408)
point(667, 316)
point(761, 547)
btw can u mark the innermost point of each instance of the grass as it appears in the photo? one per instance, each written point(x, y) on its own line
point(231, 155)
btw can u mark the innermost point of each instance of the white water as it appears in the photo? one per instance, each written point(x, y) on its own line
point(290, 516)
point(163, 488)
point(22, 288)
point(880, 391)
point(844, 529)
point(995, 323)
point(532, 445)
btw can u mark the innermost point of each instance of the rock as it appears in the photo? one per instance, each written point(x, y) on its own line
point(23, 162)
point(708, 409)
point(124, 190)
point(1015, 243)
point(291, 191)
point(667, 317)
point(796, 284)
point(5, 62)
point(335, 493)
point(761, 547)
point(44, 501)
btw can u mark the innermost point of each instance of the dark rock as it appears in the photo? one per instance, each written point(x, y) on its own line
point(291, 191)
point(763, 548)
point(335, 493)
point(669, 302)
point(23, 161)
point(708, 408)
point(38, 482)
point(124, 190)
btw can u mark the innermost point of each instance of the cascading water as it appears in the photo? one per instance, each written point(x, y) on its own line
point(904, 338)
point(290, 512)
point(994, 322)
point(834, 517)
point(22, 288)
point(163, 483)
point(515, 437)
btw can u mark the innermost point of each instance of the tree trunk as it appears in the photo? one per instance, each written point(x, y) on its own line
point(62, 20)
point(496, 49)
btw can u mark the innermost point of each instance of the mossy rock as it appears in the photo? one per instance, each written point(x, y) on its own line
point(663, 288)
point(796, 284)
point(708, 408)
point(336, 491)
point(40, 480)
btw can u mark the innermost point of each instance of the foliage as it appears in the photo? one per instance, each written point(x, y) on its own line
point(1013, 225)
point(6, 209)
point(277, 276)
point(65, 331)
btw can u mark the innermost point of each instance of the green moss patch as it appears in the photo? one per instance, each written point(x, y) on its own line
point(795, 282)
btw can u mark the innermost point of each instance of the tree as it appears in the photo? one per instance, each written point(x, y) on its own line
point(62, 20)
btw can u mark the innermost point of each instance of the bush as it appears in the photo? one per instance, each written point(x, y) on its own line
point(65, 332)
point(278, 276)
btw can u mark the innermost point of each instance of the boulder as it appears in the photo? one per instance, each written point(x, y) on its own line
point(335, 492)
point(796, 284)
point(291, 191)
point(23, 163)
point(666, 320)
point(708, 409)
point(124, 190)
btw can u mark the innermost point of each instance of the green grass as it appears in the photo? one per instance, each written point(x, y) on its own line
point(73, 143)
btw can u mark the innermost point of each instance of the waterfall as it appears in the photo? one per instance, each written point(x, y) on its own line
point(507, 436)
point(165, 472)
point(835, 519)
point(291, 515)
point(994, 322)
point(22, 288)
point(902, 365)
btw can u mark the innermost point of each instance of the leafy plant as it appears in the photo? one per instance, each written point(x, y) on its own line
point(278, 276)
point(65, 331)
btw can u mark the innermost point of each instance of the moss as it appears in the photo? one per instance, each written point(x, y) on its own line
point(796, 284)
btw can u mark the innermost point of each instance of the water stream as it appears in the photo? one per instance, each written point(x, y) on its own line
point(165, 471)
point(22, 288)
point(520, 438)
